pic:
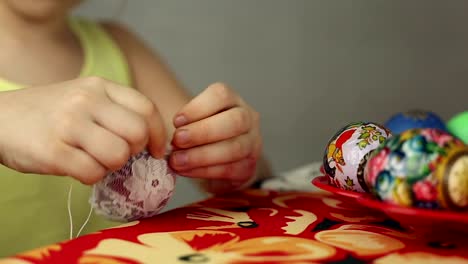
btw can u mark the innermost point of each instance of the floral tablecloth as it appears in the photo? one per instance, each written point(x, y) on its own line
point(258, 226)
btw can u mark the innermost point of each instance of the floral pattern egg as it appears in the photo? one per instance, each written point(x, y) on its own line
point(425, 168)
point(347, 152)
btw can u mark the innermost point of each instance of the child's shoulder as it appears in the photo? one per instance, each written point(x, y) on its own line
point(119, 31)
point(135, 48)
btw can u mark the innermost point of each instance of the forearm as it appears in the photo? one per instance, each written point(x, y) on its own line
point(5, 113)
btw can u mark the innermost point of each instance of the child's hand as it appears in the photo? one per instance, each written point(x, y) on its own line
point(217, 137)
point(81, 128)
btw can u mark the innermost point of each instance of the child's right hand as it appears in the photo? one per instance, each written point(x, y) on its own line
point(81, 128)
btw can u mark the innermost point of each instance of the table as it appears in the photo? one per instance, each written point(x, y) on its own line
point(258, 226)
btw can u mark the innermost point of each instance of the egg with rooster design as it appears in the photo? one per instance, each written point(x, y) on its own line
point(347, 152)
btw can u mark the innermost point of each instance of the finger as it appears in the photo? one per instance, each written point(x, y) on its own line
point(105, 147)
point(216, 153)
point(214, 99)
point(124, 123)
point(237, 172)
point(78, 164)
point(138, 103)
point(231, 123)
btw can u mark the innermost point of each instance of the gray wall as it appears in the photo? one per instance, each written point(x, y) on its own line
point(308, 66)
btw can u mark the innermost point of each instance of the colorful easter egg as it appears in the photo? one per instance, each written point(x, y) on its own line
point(347, 152)
point(420, 168)
point(458, 126)
point(414, 119)
point(453, 176)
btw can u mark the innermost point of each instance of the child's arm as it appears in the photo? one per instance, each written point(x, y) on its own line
point(81, 128)
point(212, 111)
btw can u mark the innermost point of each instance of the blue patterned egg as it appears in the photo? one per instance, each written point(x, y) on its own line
point(414, 119)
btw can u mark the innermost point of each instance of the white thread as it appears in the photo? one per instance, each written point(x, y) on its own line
point(85, 222)
point(70, 218)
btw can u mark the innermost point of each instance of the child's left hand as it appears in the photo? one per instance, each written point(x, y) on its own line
point(217, 137)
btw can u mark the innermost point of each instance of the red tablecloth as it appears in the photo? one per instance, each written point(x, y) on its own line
point(258, 226)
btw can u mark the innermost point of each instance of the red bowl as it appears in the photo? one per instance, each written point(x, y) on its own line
point(323, 182)
point(420, 219)
point(433, 222)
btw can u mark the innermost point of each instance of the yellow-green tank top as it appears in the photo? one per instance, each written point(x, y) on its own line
point(34, 207)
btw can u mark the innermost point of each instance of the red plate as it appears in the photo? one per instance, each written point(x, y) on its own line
point(323, 183)
point(419, 218)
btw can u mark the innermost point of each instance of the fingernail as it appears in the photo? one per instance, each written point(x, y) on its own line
point(180, 120)
point(180, 159)
point(182, 136)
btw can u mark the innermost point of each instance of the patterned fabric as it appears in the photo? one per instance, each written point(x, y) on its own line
point(140, 189)
point(258, 226)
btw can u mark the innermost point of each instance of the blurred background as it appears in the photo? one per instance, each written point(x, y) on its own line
point(308, 66)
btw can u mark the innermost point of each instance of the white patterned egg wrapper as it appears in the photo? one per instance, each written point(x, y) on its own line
point(140, 189)
point(347, 152)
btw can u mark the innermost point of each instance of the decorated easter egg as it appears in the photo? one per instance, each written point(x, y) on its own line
point(425, 168)
point(140, 189)
point(414, 119)
point(458, 126)
point(347, 152)
point(453, 176)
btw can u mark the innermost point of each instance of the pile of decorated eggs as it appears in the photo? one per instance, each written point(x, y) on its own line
point(424, 165)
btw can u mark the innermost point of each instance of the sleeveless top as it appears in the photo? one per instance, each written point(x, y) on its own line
point(34, 207)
